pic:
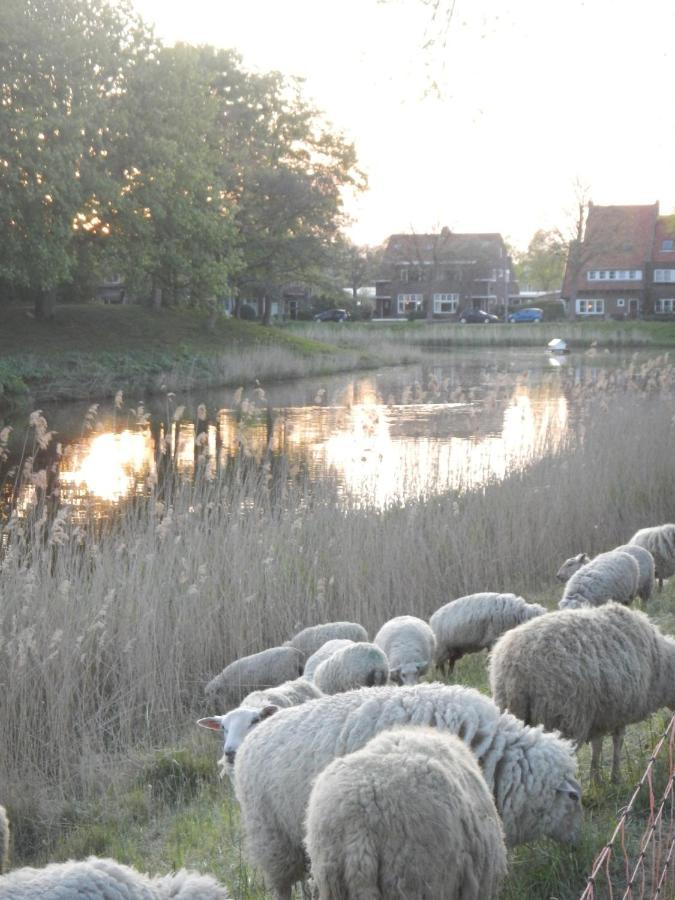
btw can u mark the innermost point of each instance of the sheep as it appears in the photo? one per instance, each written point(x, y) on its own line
point(586, 672)
point(530, 772)
point(253, 709)
point(323, 653)
point(310, 639)
point(358, 665)
point(642, 557)
point(428, 828)
point(474, 622)
point(410, 645)
point(660, 541)
point(4, 840)
point(105, 879)
point(256, 672)
point(614, 575)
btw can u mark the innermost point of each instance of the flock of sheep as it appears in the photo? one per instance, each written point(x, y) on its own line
point(343, 763)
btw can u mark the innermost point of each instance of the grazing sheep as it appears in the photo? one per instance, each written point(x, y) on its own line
point(530, 772)
point(253, 709)
point(614, 575)
point(358, 665)
point(323, 653)
point(310, 639)
point(408, 815)
point(474, 622)
point(660, 541)
point(586, 672)
point(105, 879)
point(642, 557)
point(251, 673)
point(4, 840)
point(410, 645)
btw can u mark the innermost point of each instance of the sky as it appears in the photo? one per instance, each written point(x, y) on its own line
point(532, 98)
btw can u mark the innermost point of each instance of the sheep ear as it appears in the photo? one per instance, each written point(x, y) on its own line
point(583, 558)
point(268, 711)
point(571, 787)
point(213, 723)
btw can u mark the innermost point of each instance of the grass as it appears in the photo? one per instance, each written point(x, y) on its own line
point(108, 634)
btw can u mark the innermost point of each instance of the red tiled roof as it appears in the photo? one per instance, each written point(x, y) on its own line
point(447, 245)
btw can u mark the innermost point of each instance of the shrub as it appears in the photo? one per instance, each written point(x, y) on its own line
point(248, 313)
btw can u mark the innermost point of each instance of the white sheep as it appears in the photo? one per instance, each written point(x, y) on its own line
point(410, 646)
point(4, 840)
point(322, 653)
point(660, 541)
point(105, 879)
point(253, 709)
point(530, 772)
point(428, 828)
point(642, 557)
point(357, 665)
point(310, 639)
point(614, 575)
point(474, 622)
point(586, 672)
point(251, 673)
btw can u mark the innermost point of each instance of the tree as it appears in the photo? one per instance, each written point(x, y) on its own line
point(542, 266)
point(62, 64)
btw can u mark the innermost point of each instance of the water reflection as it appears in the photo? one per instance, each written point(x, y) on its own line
point(382, 442)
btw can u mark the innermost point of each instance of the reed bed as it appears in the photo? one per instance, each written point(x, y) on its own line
point(108, 633)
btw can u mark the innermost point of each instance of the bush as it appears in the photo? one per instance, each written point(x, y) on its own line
point(248, 313)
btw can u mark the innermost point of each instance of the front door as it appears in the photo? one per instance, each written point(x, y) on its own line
point(633, 308)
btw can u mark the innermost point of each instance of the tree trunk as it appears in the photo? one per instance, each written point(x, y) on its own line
point(45, 304)
point(156, 297)
point(267, 310)
point(236, 312)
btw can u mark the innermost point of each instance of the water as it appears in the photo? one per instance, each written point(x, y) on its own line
point(384, 436)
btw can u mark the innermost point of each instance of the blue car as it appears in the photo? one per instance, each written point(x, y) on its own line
point(527, 315)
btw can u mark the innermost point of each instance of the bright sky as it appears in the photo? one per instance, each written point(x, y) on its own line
point(534, 95)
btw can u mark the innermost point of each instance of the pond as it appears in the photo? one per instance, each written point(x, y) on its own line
point(385, 436)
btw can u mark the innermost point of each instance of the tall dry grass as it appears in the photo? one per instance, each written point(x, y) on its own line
point(108, 636)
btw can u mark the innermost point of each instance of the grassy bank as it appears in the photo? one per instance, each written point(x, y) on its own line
point(108, 636)
point(91, 352)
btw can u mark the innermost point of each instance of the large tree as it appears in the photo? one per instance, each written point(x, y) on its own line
point(62, 64)
point(542, 266)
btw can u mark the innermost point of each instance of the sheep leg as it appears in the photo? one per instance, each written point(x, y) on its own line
point(617, 740)
point(596, 758)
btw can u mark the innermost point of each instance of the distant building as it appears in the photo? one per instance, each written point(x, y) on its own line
point(450, 271)
point(624, 265)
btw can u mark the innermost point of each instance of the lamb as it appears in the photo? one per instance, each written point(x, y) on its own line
point(642, 557)
point(358, 665)
point(256, 672)
point(530, 772)
point(410, 645)
point(105, 879)
point(310, 639)
point(614, 575)
point(253, 709)
point(428, 829)
point(474, 622)
point(4, 840)
point(323, 653)
point(660, 541)
point(586, 672)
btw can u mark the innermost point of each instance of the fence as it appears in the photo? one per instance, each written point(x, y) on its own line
point(633, 870)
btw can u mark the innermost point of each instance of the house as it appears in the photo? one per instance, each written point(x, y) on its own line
point(450, 271)
point(625, 264)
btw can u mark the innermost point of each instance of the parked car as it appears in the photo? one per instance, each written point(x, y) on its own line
point(534, 314)
point(477, 315)
point(332, 315)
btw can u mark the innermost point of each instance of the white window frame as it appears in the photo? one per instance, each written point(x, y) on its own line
point(614, 275)
point(664, 276)
point(441, 299)
point(403, 274)
point(664, 248)
point(664, 306)
point(406, 303)
point(620, 301)
point(598, 306)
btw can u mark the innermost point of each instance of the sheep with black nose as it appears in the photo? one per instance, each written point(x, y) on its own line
point(409, 644)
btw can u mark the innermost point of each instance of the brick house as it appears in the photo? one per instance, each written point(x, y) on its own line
point(625, 264)
point(451, 271)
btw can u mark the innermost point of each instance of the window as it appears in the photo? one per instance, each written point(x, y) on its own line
point(409, 302)
point(614, 275)
point(403, 274)
point(446, 303)
point(664, 306)
point(620, 301)
point(590, 307)
point(664, 275)
point(667, 246)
